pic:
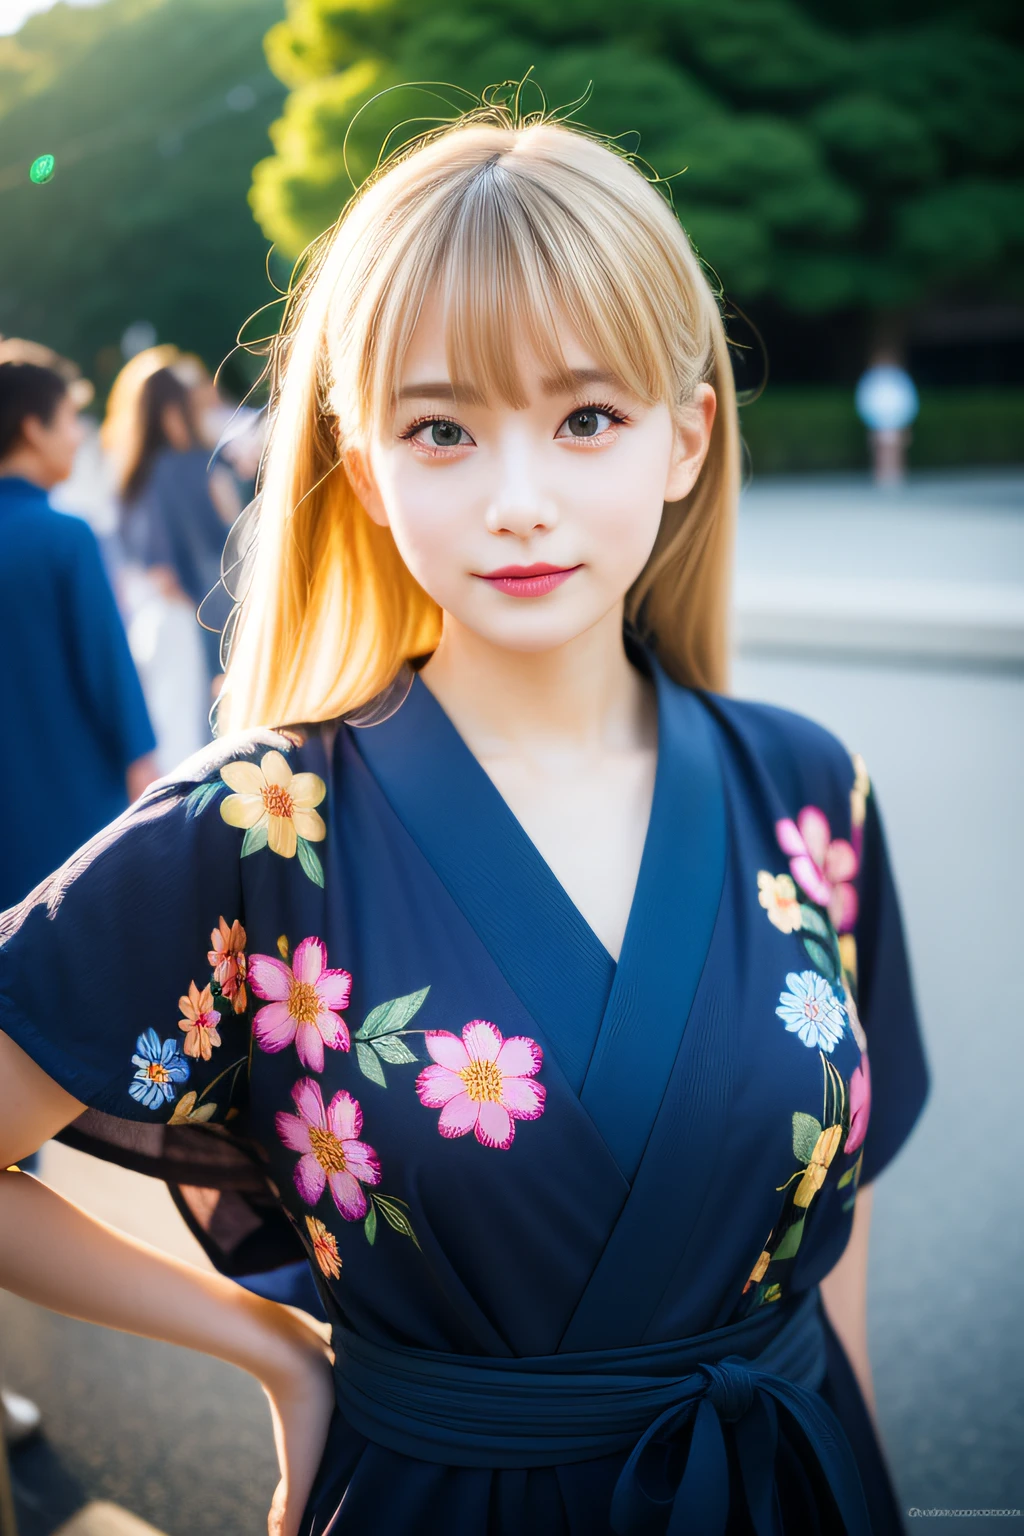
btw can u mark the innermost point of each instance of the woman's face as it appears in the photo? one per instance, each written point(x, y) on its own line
point(527, 525)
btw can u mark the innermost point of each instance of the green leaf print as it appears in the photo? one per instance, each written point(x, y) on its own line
point(811, 921)
point(822, 959)
point(370, 1226)
point(255, 838)
point(369, 1066)
point(806, 1131)
point(388, 1018)
point(791, 1240)
point(394, 1215)
point(199, 799)
point(395, 1052)
point(310, 861)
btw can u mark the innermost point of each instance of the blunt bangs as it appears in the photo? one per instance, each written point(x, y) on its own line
point(508, 250)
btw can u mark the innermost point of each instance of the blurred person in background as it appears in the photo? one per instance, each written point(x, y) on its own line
point(75, 725)
point(76, 736)
point(163, 418)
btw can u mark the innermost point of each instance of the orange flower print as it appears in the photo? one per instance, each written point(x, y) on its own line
point(325, 1248)
point(199, 1021)
point(229, 963)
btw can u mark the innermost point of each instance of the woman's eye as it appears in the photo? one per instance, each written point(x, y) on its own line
point(441, 434)
point(587, 422)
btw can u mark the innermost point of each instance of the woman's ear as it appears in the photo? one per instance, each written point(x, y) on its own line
point(357, 467)
point(693, 426)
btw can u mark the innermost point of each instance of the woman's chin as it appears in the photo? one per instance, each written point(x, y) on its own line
point(530, 633)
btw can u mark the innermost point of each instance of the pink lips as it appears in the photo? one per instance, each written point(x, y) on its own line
point(529, 580)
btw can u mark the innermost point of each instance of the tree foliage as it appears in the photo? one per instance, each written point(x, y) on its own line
point(833, 155)
point(155, 111)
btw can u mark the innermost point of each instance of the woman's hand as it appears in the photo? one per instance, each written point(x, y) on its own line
point(55, 1255)
point(301, 1392)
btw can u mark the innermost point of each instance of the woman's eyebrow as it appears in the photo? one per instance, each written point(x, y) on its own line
point(571, 380)
point(441, 389)
point(566, 383)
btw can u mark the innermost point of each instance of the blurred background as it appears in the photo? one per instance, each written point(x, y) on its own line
point(853, 174)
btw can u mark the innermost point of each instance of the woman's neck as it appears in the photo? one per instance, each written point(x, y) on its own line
point(584, 696)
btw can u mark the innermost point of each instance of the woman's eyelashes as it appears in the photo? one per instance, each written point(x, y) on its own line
point(440, 436)
point(437, 435)
point(592, 424)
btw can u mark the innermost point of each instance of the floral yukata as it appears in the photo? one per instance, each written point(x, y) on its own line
point(325, 975)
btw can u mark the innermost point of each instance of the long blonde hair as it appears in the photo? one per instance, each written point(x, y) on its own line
point(512, 223)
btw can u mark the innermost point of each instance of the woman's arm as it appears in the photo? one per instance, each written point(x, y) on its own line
point(844, 1292)
point(53, 1254)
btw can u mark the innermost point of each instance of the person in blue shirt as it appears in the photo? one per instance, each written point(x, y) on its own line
point(77, 741)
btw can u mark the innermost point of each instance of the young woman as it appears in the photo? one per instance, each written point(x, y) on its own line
point(519, 965)
point(175, 509)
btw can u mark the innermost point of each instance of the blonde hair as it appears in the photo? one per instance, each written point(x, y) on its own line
point(512, 224)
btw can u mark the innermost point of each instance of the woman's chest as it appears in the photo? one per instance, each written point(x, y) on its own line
point(588, 821)
point(416, 1111)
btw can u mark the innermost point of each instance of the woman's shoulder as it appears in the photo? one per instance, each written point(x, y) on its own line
point(298, 744)
point(806, 760)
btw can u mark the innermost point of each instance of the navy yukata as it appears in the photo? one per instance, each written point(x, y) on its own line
point(567, 1216)
point(72, 711)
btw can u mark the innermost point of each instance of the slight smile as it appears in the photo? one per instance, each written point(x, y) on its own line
point(528, 580)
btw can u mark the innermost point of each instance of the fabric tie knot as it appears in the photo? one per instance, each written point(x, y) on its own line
point(731, 1388)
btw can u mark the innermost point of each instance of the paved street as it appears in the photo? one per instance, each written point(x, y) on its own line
point(827, 567)
point(943, 737)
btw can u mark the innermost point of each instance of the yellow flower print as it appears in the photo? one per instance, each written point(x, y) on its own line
point(757, 1274)
point(860, 791)
point(275, 804)
point(185, 1111)
point(824, 1151)
point(325, 1248)
point(848, 956)
point(778, 895)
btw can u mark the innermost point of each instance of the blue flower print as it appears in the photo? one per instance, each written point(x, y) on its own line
point(160, 1066)
point(811, 1008)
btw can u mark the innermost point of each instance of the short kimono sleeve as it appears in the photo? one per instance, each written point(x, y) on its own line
point(876, 960)
point(123, 975)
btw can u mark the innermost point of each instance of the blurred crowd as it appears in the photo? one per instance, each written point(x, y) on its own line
point(112, 534)
point(111, 538)
point(161, 480)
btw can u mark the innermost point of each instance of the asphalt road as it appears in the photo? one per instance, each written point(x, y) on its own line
point(943, 736)
point(185, 1442)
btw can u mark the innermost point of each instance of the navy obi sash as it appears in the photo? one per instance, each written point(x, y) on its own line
point(476, 1411)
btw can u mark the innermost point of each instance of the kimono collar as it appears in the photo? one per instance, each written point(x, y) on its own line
point(614, 1029)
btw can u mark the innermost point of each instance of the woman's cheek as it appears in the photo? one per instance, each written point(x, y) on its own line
point(426, 531)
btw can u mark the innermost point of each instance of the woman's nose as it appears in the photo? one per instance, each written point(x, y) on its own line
point(520, 504)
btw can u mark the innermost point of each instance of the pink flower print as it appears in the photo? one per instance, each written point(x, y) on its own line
point(821, 865)
point(860, 1105)
point(331, 1152)
point(302, 999)
point(482, 1083)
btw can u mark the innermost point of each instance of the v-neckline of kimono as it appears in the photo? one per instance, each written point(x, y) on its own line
point(615, 1028)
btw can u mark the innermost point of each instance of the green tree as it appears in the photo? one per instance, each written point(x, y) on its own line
point(834, 156)
point(155, 111)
